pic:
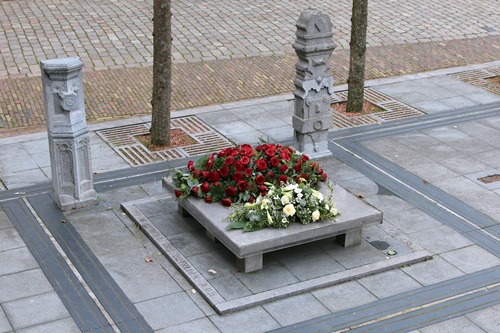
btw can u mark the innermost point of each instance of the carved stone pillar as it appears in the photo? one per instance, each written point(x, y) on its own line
point(69, 140)
point(313, 83)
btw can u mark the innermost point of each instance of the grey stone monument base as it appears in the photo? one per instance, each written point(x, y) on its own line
point(249, 247)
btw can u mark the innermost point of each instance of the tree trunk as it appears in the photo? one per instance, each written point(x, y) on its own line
point(356, 79)
point(162, 70)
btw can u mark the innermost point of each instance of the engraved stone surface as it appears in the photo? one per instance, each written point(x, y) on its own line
point(355, 214)
point(69, 140)
point(313, 83)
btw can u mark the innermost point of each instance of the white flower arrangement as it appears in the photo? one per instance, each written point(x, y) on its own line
point(282, 205)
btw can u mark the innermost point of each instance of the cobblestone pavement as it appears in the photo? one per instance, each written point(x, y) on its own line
point(223, 51)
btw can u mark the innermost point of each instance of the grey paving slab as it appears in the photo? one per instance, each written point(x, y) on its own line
point(24, 178)
point(363, 186)
point(389, 283)
point(169, 310)
point(21, 161)
point(132, 265)
point(198, 325)
point(357, 255)
point(431, 171)
point(35, 310)
point(431, 106)
point(16, 260)
point(487, 319)
point(314, 265)
point(5, 325)
point(440, 239)
point(432, 271)
point(234, 127)
point(344, 296)
point(266, 121)
point(23, 284)
point(170, 225)
point(471, 259)
point(411, 220)
point(252, 137)
point(304, 307)
point(465, 164)
point(388, 203)
point(218, 117)
point(272, 277)
point(4, 221)
point(279, 134)
point(230, 287)
point(246, 321)
point(66, 325)
point(458, 325)
point(10, 239)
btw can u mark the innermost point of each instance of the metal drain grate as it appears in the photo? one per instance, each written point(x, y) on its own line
point(122, 140)
point(392, 109)
point(478, 78)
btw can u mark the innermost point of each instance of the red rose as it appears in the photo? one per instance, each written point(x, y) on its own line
point(238, 165)
point(260, 179)
point(210, 163)
point(248, 172)
point(246, 150)
point(274, 161)
point(216, 184)
point(204, 174)
point(320, 171)
point(213, 176)
point(323, 177)
point(282, 179)
point(224, 171)
point(283, 168)
point(229, 160)
point(196, 173)
point(191, 166)
point(261, 165)
point(226, 202)
point(194, 190)
point(285, 155)
point(237, 176)
point(305, 158)
point(234, 152)
point(224, 152)
point(270, 152)
point(262, 190)
point(298, 167)
point(245, 160)
point(208, 199)
point(241, 185)
point(270, 175)
point(178, 193)
point(205, 187)
point(251, 199)
point(230, 191)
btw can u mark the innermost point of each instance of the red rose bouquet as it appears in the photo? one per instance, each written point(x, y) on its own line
point(240, 174)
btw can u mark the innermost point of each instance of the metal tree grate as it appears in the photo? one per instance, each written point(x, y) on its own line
point(392, 109)
point(123, 141)
point(479, 78)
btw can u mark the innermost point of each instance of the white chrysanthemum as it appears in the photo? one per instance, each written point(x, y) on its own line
point(315, 215)
point(265, 204)
point(334, 211)
point(289, 210)
point(297, 190)
point(289, 187)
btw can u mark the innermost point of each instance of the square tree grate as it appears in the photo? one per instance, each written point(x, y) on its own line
point(479, 78)
point(392, 109)
point(122, 140)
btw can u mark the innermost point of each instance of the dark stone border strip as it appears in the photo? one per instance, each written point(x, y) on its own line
point(222, 306)
point(81, 307)
point(121, 310)
point(462, 300)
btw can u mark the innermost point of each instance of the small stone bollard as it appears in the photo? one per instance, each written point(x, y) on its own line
point(313, 84)
point(68, 134)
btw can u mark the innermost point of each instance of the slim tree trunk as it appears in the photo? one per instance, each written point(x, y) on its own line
point(162, 69)
point(356, 79)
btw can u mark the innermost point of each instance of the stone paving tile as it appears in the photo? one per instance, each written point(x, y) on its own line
point(66, 325)
point(169, 310)
point(198, 325)
point(389, 283)
point(440, 239)
point(457, 325)
point(4, 322)
point(304, 307)
point(23, 284)
point(432, 271)
point(245, 321)
point(471, 259)
point(16, 260)
point(35, 310)
point(487, 319)
point(344, 296)
point(10, 239)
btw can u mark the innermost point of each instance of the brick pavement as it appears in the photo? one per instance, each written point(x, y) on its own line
point(243, 51)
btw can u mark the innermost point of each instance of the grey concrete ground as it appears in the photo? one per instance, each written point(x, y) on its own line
point(118, 34)
point(450, 157)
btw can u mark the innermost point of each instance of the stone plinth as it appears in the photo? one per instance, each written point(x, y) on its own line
point(249, 247)
point(69, 141)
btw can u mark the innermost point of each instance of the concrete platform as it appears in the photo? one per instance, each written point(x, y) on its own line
point(249, 247)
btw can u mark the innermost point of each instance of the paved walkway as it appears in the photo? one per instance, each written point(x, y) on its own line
point(422, 172)
point(219, 55)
